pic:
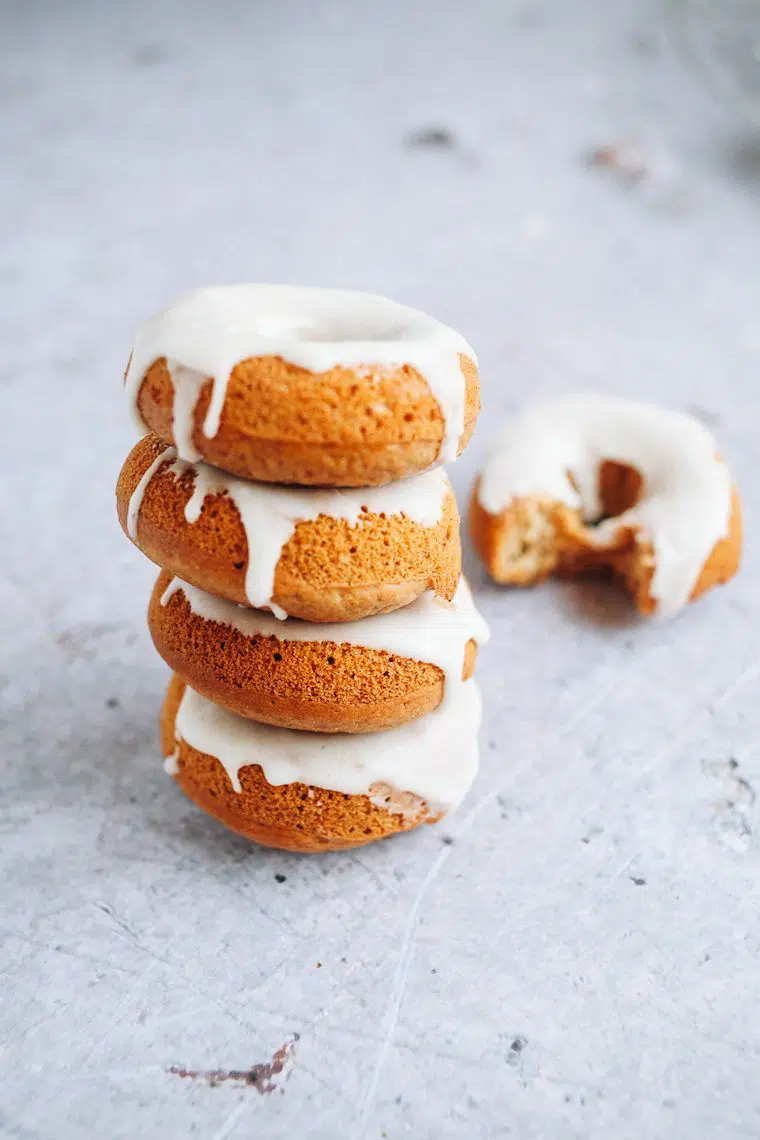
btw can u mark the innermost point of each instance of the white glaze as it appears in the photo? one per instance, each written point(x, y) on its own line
point(555, 451)
point(269, 513)
point(435, 757)
point(187, 388)
point(208, 332)
point(136, 498)
point(430, 629)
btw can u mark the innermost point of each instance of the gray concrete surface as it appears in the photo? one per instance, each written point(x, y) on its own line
point(575, 953)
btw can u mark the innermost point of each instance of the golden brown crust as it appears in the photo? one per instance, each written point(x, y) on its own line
point(534, 538)
point(328, 570)
point(341, 428)
point(321, 686)
point(294, 817)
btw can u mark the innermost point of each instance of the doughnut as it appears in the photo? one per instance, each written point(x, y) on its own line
point(591, 482)
point(304, 791)
point(351, 677)
point(318, 555)
point(310, 386)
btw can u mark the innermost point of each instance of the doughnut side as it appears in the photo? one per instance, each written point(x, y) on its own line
point(313, 685)
point(344, 428)
point(637, 569)
point(293, 817)
point(328, 570)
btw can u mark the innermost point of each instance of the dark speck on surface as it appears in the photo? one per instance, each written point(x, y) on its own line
point(431, 138)
point(516, 1047)
point(448, 840)
point(112, 703)
point(280, 878)
point(638, 882)
point(149, 55)
point(708, 417)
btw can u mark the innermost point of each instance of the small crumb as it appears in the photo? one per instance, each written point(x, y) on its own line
point(518, 1044)
point(637, 882)
point(431, 138)
point(280, 878)
point(706, 415)
point(448, 840)
point(624, 159)
point(149, 55)
point(319, 965)
point(112, 703)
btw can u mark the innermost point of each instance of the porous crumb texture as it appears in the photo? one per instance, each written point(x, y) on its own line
point(295, 817)
point(328, 571)
point(346, 427)
point(322, 686)
point(536, 537)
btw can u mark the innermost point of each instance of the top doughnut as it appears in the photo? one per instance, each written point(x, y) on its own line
point(296, 385)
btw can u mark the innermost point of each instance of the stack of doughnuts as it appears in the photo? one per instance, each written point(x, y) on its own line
point(310, 601)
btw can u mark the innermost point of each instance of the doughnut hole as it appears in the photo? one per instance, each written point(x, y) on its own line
point(620, 488)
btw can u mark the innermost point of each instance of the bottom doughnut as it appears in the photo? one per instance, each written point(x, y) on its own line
point(268, 784)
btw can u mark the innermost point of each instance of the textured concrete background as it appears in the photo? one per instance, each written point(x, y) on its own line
point(574, 954)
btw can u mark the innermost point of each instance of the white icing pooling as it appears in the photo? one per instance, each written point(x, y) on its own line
point(430, 629)
point(136, 498)
point(556, 449)
point(208, 332)
point(270, 513)
point(435, 757)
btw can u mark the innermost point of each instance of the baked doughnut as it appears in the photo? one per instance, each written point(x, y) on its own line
point(304, 791)
point(317, 554)
point(310, 386)
point(352, 677)
point(589, 482)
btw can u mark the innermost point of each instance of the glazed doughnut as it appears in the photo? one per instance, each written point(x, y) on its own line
point(304, 791)
point(352, 677)
point(309, 386)
point(590, 482)
point(318, 555)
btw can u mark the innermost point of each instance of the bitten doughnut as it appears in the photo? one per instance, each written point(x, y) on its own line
point(304, 791)
point(352, 677)
point(309, 386)
point(589, 482)
point(314, 554)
